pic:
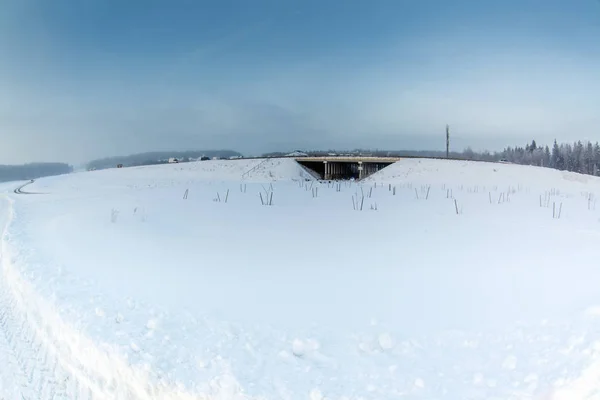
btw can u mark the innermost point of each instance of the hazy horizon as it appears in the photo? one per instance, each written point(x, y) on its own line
point(87, 80)
point(284, 150)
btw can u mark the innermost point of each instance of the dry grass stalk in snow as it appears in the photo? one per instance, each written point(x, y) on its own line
point(356, 204)
point(267, 200)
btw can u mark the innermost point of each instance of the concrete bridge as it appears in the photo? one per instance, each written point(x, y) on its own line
point(345, 167)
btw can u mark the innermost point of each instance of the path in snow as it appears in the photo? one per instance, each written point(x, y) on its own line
point(29, 370)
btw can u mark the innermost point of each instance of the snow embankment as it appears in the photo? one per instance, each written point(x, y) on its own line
point(450, 172)
point(262, 170)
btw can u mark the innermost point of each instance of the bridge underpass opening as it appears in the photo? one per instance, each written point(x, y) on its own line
point(343, 170)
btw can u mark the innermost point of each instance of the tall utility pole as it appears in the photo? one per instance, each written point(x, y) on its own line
point(447, 141)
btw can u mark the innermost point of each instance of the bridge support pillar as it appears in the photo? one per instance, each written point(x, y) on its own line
point(327, 174)
point(360, 170)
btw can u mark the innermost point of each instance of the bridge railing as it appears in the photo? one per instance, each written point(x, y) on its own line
point(254, 168)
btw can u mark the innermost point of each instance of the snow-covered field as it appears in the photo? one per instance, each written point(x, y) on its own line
point(456, 280)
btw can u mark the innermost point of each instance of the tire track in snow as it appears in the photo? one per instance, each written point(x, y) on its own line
point(44, 358)
point(26, 373)
point(20, 190)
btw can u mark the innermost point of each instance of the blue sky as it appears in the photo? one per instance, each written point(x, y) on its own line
point(82, 79)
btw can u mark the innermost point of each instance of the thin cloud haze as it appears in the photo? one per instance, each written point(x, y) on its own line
point(82, 80)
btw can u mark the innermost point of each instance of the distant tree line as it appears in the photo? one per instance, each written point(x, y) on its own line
point(582, 157)
point(159, 157)
point(32, 171)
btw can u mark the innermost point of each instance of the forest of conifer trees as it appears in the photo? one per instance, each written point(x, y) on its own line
point(582, 157)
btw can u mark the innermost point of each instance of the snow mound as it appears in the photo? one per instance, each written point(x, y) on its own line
point(167, 175)
point(436, 171)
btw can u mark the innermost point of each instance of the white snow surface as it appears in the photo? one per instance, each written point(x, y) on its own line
point(455, 281)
